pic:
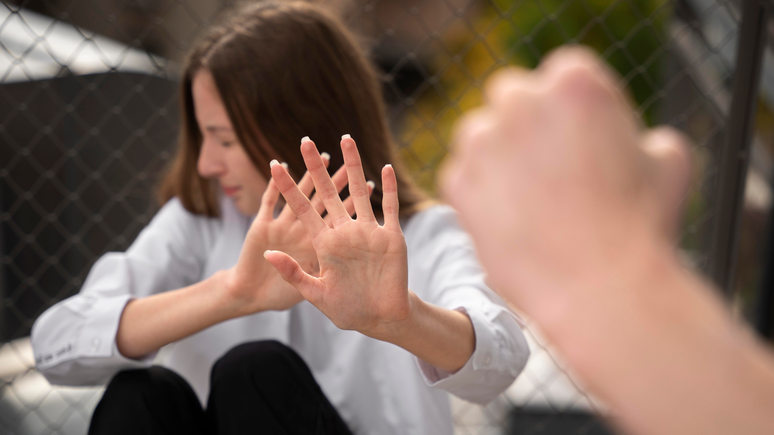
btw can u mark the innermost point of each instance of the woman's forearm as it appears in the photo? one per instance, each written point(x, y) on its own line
point(441, 337)
point(149, 323)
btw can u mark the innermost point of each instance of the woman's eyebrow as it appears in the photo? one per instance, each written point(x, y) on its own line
point(218, 128)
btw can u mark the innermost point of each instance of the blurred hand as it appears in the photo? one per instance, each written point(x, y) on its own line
point(558, 183)
point(574, 209)
point(254, 285)
point(363, 279)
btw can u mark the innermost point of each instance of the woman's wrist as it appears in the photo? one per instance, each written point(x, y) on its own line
point(227, 289)
point(154, 321)
point(393, 331)
point(441, 337)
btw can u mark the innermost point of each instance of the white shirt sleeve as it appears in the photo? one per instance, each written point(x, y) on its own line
point(74, 340)
point(443, 259)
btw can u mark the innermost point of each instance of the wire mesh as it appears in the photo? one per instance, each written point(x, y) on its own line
point(88, 118)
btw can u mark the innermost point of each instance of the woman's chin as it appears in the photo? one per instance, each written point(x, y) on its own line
point(245, 206)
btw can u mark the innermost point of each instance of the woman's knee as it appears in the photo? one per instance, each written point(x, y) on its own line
point(264, 358)
point(153, 383)
point(152, 400)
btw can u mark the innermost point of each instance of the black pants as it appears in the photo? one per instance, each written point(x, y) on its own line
point(255, 388)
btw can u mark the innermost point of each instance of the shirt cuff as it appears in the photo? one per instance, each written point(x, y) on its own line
point(89, 352)
point(485, 356)
point(500, 354)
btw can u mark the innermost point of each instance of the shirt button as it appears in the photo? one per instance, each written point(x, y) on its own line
point(95, 344)
point(488, 360)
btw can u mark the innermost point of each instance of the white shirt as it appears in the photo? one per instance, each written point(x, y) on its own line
point(377, 387)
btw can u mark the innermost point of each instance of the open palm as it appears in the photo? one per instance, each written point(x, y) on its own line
point(363, 279)
point(254, 284)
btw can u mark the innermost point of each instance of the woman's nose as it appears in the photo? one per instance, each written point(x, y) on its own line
point(210, 164)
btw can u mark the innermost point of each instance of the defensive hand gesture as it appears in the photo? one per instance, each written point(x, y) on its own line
point(254, 285)
point(363, 279)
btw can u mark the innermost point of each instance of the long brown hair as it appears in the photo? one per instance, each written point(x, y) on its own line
point(286, 70)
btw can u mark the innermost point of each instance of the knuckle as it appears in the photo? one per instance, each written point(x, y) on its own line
point(390, 208)
point(502, 81)
point(358, 191)
point(473, 132)
point(567, 56)
point(676, 139)
point(575, 76)
point(328, 193)
point(671, 145)
point(581, 85)
point(296, 273)
point(301, 207)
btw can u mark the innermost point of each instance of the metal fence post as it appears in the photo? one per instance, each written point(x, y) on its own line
point(734, 157)
point(763, 305)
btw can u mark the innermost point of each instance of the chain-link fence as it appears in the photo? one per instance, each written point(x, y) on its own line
point(88, 118)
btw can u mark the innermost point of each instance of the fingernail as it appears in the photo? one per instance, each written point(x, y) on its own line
point(284, 165)
point(273, 162)
point(325, 155)
point(371, 184)
point(388, 165)
point(266, 252)
point(305, 139)
point(346, 136)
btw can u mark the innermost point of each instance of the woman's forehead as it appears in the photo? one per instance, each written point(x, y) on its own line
point(210, 112)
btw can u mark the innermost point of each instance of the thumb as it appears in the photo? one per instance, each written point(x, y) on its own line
point(291, 272)
point(668, 150)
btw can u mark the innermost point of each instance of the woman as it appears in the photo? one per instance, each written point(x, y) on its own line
point(244, 342)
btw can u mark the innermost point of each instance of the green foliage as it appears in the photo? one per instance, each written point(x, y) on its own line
point(629, 34)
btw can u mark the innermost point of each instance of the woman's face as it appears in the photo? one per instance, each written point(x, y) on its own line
point(222, 156)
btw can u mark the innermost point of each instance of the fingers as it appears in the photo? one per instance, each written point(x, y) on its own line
point(578, 70)
point(291, 272)
point(268, 201)
point(574, 73)
point(390, 203)
point(349, 205)
point(339, 180)
point(668, 152)
point(297, 201)
point(499, 89)
point(323, 184)
point(472, 132)
point(306, 185)
point(579, 57)
point(358, 190)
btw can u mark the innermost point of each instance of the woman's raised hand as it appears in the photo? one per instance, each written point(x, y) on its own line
point(363, 279)
point(253, 284)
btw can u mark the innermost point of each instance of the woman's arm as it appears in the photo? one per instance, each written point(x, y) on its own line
point(252, 286)
point(74, 340)
point(441, 337)
point(363, 282)
point(149, 323)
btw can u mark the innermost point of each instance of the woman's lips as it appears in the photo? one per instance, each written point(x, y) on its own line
point(229, 191)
